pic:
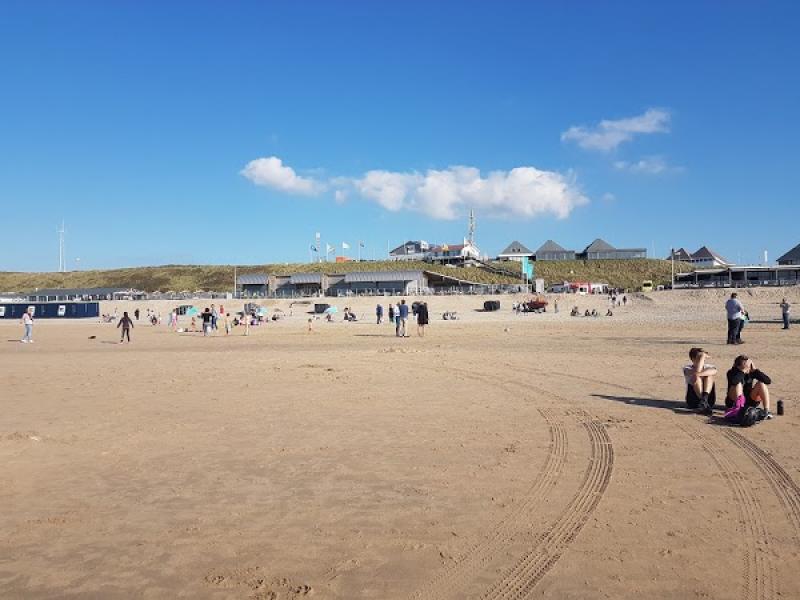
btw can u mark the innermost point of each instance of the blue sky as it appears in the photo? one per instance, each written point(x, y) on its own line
point(648, 124)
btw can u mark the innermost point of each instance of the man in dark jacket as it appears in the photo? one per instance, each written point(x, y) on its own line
point(745, 380)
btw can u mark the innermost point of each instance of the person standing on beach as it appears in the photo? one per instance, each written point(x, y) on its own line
point(391, 313)
point(173, 319)
point(735, 312)
point(207, 320)
point(214, 316)
point(785, 310)
point(27, 322)
point(136, 314)
point(422, 318)
point(402, 319)
point(127, 324)
point(379, 313)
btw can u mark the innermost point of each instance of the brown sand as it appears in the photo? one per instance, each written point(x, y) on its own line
point(499, 457)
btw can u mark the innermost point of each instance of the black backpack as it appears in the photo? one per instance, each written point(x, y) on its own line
point(750, 416)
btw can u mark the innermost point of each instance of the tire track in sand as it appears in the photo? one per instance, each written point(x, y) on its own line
point(782, 484)
point(529, 570)
point(456, 576)
point(759, 577)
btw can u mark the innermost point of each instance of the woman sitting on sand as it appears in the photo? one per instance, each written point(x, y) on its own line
point(748, 386)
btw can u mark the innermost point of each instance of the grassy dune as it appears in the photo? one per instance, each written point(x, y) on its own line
point(619, 273)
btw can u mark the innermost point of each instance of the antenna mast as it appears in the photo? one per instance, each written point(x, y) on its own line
point(62, 259)
point(471, 234)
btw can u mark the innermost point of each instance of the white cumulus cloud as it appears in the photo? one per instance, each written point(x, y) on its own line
point(271, 172)
point(608, 134)
point(522, 192)
point(448, 193)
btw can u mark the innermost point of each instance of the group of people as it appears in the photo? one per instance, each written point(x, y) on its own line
point(747, 388)
point(575, 312)
point(615, 299)
point(399, 316)
point(738, 317)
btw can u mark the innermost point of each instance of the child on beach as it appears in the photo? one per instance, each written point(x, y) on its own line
point(27, 322)
point(127, 324)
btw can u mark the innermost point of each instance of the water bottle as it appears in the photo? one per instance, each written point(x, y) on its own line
point(780, 407)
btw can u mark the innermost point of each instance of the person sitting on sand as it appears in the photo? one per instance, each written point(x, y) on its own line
point(701, 393)
point(609, 313)
point(587, 313)
point(574, 312)
point(748, 383)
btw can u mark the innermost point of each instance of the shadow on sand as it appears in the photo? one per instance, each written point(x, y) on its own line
point(677, 406)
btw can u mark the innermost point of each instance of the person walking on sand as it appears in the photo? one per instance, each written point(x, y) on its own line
point(422, 318)
point(402, 319)
point(785, 310)
point(379, 313)
point(127, 324)
point(214, 316)
point(27, 323)
point(735, 312)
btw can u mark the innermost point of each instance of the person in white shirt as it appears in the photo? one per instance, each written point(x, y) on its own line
point(27, 321)
point(735, 312)
point(699, 375)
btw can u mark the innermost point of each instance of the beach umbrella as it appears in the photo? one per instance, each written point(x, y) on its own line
point(331, 310)
point(261, 312)
point(191, 312)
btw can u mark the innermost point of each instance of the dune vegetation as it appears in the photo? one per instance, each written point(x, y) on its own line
point(627, 274)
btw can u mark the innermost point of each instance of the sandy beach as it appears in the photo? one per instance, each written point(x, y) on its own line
point(501, 456)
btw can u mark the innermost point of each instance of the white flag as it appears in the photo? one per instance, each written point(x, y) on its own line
point(345, 246)
point(330, 248)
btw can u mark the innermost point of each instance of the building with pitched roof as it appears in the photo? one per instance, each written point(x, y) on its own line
point(706, 257)
point(602, 250)
point(792, 257)
point(680, 254)
point(515, 251)
point(550, 250)
point(411, 250)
